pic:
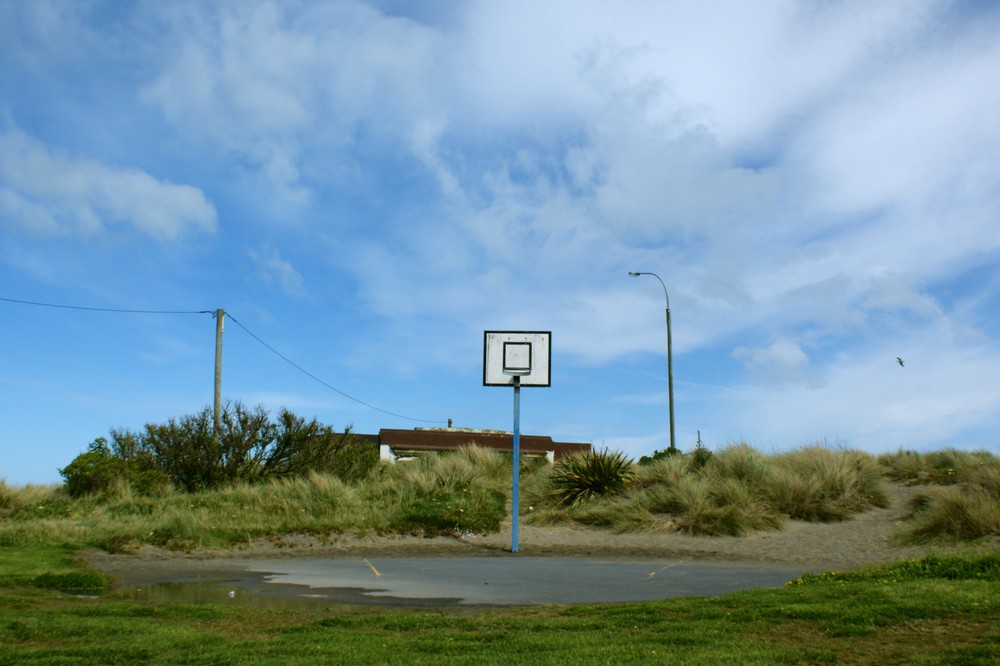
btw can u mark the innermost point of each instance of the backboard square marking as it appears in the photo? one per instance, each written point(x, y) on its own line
point(517, 357)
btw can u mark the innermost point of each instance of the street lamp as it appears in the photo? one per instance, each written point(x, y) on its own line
point(670, 362)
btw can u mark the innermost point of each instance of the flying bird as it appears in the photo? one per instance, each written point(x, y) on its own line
point(900, 361)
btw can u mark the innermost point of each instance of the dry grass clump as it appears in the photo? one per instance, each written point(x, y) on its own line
point(814, 483)
point(457, 492)
point(945, 467)
point(962, 500)
point(727, 494)
point(966, 509)
point(735, 491)
point(955, 513)
point(721, 506)
point(739, 462)
point(663, 471)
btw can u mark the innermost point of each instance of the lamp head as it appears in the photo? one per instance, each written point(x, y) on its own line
point(633, 274)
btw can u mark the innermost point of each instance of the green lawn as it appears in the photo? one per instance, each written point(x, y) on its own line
point(929, 612)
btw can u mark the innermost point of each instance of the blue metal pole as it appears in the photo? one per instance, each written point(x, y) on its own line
point(517, 464)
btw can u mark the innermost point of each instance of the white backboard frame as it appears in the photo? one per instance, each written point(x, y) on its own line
point(510, 354)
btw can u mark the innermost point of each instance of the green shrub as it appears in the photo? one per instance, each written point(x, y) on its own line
point(190, 455)
point(580, 476)
point(300, 447)
point(657, 455)
point(93, 471)
point(700, 457)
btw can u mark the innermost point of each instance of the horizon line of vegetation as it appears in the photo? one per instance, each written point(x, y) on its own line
point(179, 485)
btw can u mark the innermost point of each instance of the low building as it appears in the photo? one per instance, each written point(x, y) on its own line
point(403, 444)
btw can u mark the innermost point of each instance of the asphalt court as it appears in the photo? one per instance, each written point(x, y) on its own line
point(438, 581)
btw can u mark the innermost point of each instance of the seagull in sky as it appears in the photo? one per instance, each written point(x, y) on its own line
point(900, 361)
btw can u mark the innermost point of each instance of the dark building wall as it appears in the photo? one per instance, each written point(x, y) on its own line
point(448, 440)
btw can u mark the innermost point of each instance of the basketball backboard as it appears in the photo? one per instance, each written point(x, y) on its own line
point(510, 354)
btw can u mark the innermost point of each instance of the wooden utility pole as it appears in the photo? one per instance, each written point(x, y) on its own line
point(220, 316)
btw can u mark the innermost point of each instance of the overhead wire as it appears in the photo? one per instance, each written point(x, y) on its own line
point(245, 329)
point(78, 307)
point(320, 381)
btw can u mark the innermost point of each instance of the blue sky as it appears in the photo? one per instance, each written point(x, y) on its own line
point(366, 187)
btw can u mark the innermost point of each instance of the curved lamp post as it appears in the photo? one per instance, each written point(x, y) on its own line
point(670, 362)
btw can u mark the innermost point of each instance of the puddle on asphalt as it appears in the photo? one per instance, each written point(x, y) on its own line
point(269, 595)
point(220, 593)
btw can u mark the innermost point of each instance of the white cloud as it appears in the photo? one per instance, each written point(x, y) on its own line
point(908, 129)
point(783, 360)
point(284, 89)
point(48, 192)
point(274, 270)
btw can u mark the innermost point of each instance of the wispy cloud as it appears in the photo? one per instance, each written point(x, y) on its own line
point(275, 271)
point(48, 192)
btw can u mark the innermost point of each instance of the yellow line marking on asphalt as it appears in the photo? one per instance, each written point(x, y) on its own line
point(663, 568)
point(374, 570)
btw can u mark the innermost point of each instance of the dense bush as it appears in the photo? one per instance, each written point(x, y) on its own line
point(101, 467)
point(92, 471)
point(190, 455)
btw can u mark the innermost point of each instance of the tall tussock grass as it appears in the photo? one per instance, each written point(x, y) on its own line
point(814, 483)
point(734, 491)
point(459, 492)
point(960, 495)
point(945, 467)
point(696, 504)
point(955, 513)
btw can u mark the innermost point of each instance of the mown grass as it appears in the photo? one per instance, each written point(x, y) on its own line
point(931, 611)
point(735, 491)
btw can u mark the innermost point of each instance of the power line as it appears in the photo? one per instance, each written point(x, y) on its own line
point(320, 381)
point(234, 320)
point(77, 307)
